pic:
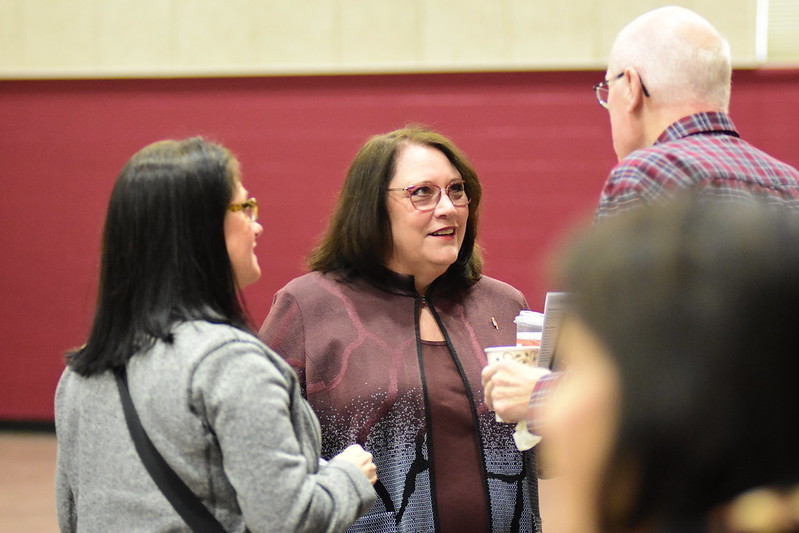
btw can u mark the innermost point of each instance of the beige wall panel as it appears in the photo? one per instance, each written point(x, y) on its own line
point(214, 33)
point(783, 39)
point(136, 34)
point(62, 38)
point(11, 32)
point(555, 34)
point(294, 34)
point(378, 33)
point(59, 33)
point(462, 32)
point(252, 35)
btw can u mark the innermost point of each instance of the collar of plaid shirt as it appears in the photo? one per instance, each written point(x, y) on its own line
point(699, 123)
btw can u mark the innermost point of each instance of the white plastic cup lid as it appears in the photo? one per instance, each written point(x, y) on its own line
point(530, 318)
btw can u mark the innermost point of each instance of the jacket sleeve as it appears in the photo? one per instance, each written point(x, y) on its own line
point(265, 433)
point(284, 332)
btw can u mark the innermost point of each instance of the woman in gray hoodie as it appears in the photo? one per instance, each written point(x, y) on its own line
point(223, 410)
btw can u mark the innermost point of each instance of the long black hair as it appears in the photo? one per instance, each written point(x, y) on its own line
point(164, 258)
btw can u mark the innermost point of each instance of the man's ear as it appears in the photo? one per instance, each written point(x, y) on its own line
point(634, 90)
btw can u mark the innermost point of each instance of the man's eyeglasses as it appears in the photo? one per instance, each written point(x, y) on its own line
point(250, 208)
point(602, 90)
point(425, 197)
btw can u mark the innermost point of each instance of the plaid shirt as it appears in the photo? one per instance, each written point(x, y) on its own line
point(542, 392)
point(701, 152)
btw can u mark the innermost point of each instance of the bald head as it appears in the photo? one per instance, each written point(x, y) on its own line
point(680, 57)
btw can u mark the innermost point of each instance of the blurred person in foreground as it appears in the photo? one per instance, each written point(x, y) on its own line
point(667, 91)
point(678, 409)
point(387, 334)
point(223, 410)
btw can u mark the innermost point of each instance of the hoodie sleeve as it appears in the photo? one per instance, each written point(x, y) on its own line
point(270, 441)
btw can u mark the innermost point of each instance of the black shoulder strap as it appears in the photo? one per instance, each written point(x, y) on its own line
point(185, 502)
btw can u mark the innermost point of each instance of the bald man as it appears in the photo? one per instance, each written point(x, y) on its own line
point(667, 91)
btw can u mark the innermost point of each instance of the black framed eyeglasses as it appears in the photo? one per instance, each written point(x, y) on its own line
point(601, 89)
point(250, 208)
point(425, 196)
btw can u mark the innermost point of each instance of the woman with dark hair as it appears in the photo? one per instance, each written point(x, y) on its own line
point(223, 410)
point(682, 362)
point(387, 334)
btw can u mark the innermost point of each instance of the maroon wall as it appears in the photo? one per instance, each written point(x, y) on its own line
point(538, 139)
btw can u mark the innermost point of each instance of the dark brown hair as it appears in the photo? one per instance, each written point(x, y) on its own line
point(696, 303)
point(358, 236)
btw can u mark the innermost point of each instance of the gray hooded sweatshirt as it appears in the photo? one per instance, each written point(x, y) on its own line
point(227, 415)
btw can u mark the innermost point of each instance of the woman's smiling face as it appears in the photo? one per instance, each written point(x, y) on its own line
point(423, 243)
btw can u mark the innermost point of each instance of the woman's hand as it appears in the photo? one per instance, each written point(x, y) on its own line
point(356, 455)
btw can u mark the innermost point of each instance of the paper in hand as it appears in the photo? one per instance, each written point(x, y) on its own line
point(553, 314)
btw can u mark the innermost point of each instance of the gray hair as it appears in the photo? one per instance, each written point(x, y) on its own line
point(679, 55)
